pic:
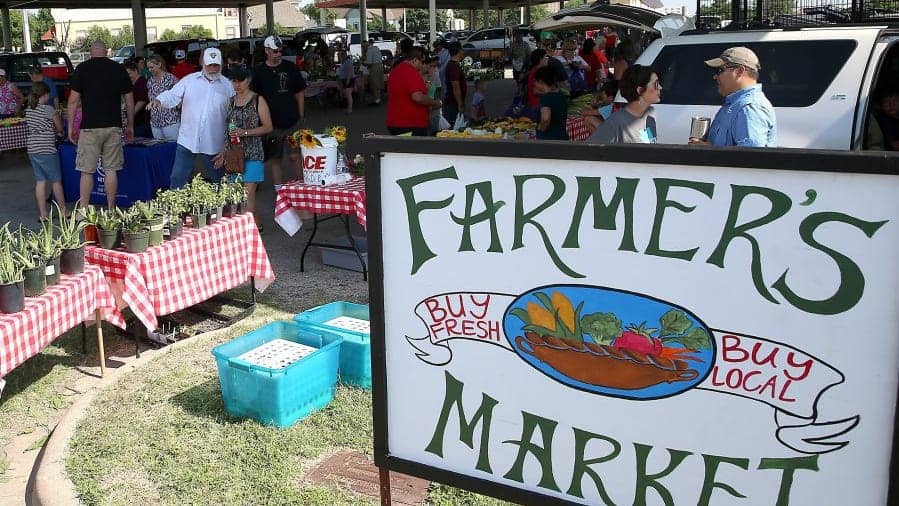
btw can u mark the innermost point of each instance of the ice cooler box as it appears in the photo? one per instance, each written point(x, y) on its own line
point(351, 322)
point(279, 373)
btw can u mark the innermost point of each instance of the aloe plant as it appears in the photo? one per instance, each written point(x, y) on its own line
point(70, 228)
point(45, 242)
point(22, 247)
point(10, 271)
point(133, 221)
point(109, 220)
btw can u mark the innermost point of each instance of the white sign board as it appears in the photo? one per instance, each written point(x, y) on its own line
point(621, 333)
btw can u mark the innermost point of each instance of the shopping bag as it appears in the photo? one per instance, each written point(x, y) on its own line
point(443, 124)
point(460, 123)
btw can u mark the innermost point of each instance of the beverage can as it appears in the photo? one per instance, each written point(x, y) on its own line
point(699, 127)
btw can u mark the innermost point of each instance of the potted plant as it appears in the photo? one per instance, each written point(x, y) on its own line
point(108, 225)
point(71, 260)
point(135, 231)
point(46, 247)
point(197, 217)
point(33, 267)
point(226, 190)
point(173, 226)
point(91, 215)
point(12, 288)
point(214, 203)
point(153, 219)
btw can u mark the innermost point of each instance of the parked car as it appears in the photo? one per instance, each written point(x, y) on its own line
point(193, 47)
point(385, 41)
point(54, 64)
point(818, 79)
point(493, 40)
point(123, 53)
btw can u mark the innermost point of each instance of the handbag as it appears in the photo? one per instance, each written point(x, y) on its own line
point(234, 159)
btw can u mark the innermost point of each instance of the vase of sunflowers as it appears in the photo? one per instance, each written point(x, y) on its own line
point(318, 153)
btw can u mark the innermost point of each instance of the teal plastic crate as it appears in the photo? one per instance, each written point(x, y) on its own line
point(355, 351)
point(278, 396)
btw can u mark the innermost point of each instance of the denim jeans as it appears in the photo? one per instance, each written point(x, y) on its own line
point(183, 167)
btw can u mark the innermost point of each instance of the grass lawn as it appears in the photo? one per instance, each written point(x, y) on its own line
point(161, 435)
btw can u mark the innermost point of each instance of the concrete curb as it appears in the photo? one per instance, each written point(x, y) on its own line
point(52, 486)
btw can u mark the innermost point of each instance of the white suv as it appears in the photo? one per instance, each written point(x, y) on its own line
point(818, 79)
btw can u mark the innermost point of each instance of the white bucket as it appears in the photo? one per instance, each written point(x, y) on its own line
point(319, 163)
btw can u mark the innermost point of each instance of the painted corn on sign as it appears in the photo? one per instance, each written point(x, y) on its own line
point(622, 333)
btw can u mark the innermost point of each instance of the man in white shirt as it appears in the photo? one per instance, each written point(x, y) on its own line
point(375, 66)
point(204, 98)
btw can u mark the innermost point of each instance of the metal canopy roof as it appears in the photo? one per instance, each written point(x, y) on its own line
point(124, 4)
point(424, 4)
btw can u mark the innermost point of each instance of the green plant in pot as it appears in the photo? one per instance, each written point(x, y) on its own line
point(46, 247)
point(197, 216)
point(173, 225)
point(71, 260)
point(153, 217)
point(135, 231)
point(91, 215)
point(12, 288)
point(239, 194)
point(109, 224)
point(227, 194)
point(33, 267)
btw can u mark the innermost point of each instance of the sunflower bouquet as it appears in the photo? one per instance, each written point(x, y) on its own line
point(308, 138)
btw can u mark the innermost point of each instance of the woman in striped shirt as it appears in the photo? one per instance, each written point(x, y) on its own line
point(44, 125)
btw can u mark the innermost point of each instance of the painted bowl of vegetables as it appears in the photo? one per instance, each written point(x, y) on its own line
point(609, 341)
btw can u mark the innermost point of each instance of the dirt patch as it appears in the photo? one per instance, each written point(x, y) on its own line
point(353, 471)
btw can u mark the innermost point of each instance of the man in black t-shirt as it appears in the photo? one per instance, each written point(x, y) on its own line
point(98, 87)
point(282, 86)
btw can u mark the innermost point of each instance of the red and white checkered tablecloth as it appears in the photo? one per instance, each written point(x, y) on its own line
point(346, 198)
point(188, 270)
point(14, 137)
point(73, 300)
point(577, 128)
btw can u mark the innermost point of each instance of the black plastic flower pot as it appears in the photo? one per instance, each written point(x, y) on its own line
point(108, 239)
point(52, 271)
point(35, 280)
point(229, 210)
point(137, 242)
point(12, 297)
point(213, 215)
point(156, 235)
point(71, 261)
point(172, 230)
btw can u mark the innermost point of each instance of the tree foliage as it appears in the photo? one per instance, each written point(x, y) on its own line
point(417, 20)
point(314, 14)
point(194, 32)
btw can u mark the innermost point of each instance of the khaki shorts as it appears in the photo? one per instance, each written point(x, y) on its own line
point(95, 143)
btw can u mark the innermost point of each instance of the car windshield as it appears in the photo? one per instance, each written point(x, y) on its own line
point(125, 51)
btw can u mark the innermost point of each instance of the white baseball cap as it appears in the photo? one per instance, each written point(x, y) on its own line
point(212, 56)
point(180, 54)
point(273, 42)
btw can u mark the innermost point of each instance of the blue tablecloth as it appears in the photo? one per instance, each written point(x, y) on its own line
point(147, 169)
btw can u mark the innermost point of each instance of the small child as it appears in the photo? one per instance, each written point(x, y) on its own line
point(479, 101)
point(602, 106)
point(44, 125)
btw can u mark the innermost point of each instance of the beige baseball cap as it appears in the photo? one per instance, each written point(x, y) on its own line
point(736, 56)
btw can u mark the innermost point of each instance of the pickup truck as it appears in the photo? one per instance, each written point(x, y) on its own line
point(54, 64)
point(819, 80)
point(384, 41)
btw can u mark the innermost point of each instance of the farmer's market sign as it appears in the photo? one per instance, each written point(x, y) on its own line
point(628, 333)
